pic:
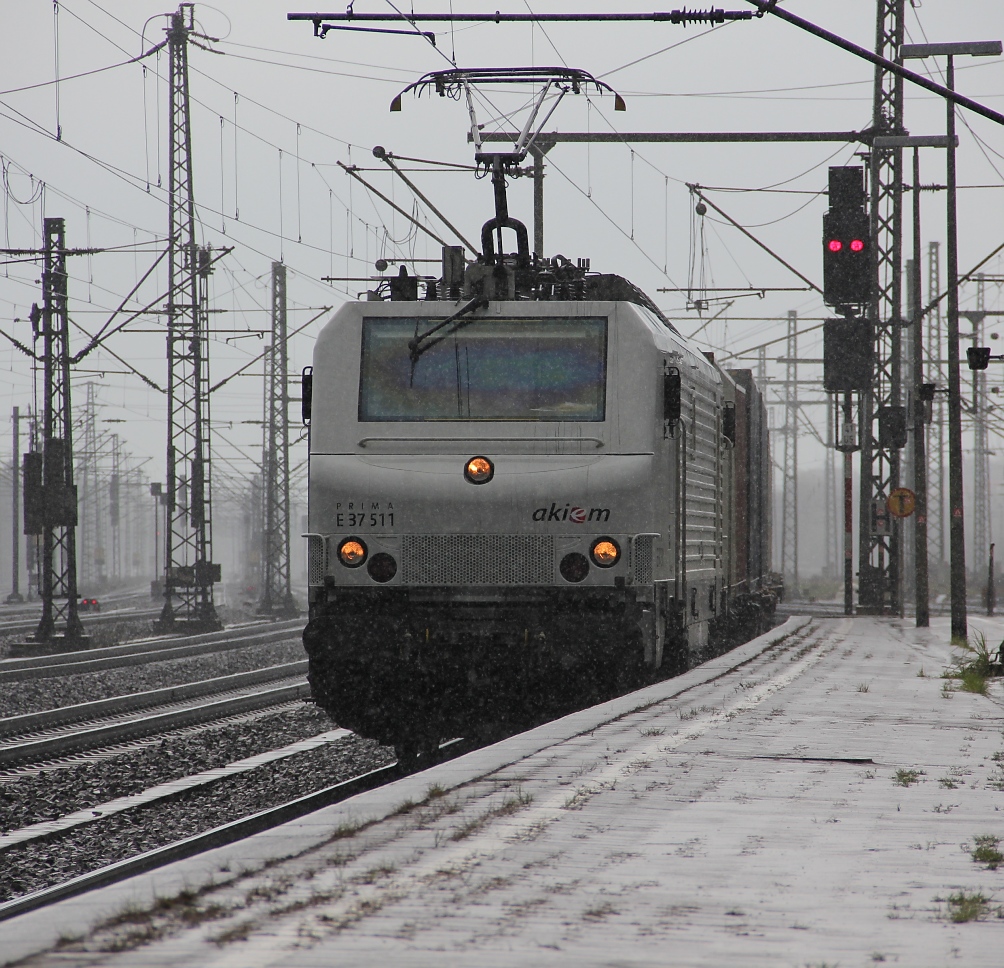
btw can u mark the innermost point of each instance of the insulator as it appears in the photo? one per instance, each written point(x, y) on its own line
point(716, 15)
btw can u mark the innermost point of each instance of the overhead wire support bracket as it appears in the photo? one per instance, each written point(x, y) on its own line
point(696, 190)
point(713, 15)
point(321, 30)
point(351, 170)
point(388, 158)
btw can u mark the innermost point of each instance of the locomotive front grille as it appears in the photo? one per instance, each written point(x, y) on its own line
point(477, 559)
point(315, 559)
point(643, 559)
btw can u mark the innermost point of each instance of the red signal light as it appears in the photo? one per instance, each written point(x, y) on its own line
point(857, 245)
point(834, 245)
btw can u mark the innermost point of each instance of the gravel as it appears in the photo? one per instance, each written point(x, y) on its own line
point(111, 633)
point(35, 695)
point(30, 799)
point(37, 864)
point(34, 866)
point(54, 793)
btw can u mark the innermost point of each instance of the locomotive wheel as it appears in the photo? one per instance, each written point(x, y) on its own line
point(417, 753)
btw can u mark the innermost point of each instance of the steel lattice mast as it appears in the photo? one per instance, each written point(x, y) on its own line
point(879, 547)
point(981, 444)
point(87, 473)
point(908, 534)
point(937, 486)
point(277, 589)
point(58, 580)
point(789, 486)
point(189, 572)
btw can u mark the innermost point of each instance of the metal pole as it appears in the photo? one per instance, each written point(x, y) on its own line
point(59, 550)
point(15, 535)
point(538, 151)
point(923, 616)
point(156, 539)
point(848, 511)
point(829, 489)
point(957, 526)
point(937, 484)
point(991, 588)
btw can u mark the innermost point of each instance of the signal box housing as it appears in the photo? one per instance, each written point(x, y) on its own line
point(847, 243)
point(847, 355)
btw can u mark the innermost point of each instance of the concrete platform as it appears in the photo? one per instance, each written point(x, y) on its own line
point(813, 798)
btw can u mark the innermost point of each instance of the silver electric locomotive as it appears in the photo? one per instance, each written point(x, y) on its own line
point(524, 485)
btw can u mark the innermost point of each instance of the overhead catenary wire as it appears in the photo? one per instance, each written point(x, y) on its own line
point(351, 171)
point(224, 207)
point(571, 181)
point(238, 128)
point(696, 189)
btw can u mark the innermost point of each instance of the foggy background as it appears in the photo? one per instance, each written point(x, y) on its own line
point(274, 109)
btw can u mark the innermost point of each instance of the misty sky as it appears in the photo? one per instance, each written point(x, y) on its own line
point(274, 109)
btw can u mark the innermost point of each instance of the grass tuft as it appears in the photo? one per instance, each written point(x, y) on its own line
point(600, 912)
point(970, 680)
point(907, 778)
point(963, 907)
point(507, 807)
point(238, 932)
point(346, 828)
point(975, 665)
point(986, 851)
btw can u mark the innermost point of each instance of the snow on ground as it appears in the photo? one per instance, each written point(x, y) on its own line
point(808, 802)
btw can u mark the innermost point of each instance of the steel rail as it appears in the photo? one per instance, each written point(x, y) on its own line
point(13, 754)
point(217, 837)
point(164, 792)
point(143, 651)
point(89, 711)
point(29, 624)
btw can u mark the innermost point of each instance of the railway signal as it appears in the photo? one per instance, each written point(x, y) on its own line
point(978, 357)
point(847, 248)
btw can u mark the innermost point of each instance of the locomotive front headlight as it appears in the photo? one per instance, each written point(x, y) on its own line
point(574, 567)
point(352, 552)
point(479, 470)
point(382, 567)
point(605, 552)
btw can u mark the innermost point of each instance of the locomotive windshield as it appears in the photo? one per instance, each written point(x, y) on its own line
point(491, 369)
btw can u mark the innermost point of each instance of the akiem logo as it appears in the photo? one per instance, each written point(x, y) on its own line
point(571, 512)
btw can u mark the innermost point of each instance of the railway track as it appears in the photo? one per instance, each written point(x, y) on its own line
point(798, 648)
point(190, 846)
point(240, 828)
point(154, 649)
point(39, 738)
point(57, 762)
point(129, 605)
point(28, 623)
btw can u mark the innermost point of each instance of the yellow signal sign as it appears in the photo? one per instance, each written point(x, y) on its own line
point(902, 502)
